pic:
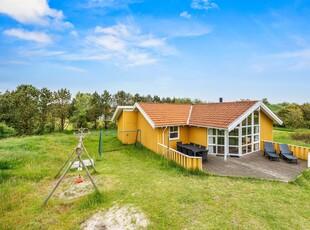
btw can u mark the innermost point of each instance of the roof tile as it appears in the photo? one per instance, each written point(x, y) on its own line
point(219, 115)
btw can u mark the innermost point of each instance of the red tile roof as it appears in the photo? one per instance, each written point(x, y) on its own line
point(219, 115)
point(166, 114)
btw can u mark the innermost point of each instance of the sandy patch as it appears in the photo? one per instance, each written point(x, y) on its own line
point(69, 189)
point(126, 217)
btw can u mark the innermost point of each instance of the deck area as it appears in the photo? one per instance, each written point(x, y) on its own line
point(254, 165)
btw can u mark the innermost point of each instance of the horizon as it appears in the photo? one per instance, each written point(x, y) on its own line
point(197, 49)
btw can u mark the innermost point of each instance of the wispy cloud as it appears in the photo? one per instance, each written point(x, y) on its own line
point(305, 53)
point(29, 35)
point(185, 14)
point(120, 4)
point(35, 12)
point(75, 69)
point(128, 43)
point(203, 5)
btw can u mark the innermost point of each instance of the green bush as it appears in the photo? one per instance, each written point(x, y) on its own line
point(6, 131)
point(304, 137)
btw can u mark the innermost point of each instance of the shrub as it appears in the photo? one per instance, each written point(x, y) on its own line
point(6, 131)
point(304, 137)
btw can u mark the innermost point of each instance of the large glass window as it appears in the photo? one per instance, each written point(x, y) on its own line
point(243, 139)
point(174, 133)
point(250, 133)
point(216, 143)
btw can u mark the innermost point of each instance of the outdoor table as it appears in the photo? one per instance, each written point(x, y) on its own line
point(195, 149)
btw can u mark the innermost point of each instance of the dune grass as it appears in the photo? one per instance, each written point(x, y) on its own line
point(171, 197)
point(282, 135)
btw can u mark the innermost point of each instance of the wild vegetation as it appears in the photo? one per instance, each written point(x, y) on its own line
point(170, 197)
point(31, 111)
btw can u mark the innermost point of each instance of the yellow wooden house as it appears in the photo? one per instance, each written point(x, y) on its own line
point(226, 128)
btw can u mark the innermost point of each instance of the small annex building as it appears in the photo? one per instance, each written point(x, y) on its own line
point(226, 128)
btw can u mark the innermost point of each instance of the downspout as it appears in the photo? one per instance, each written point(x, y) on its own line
point(163, 136)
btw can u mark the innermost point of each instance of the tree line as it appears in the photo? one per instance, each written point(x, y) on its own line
point(28, 110)
point(293, 115)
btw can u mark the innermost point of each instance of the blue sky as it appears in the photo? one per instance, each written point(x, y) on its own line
point(184, 48)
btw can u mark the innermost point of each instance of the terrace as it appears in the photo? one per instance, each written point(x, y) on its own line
point(254, 165)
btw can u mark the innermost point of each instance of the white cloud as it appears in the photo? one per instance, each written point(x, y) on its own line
point(185, 14)
point(35, 12)
point(152, 42)
point(203, 5)
point(29, 35)
point(74, 33)
point(75, 69)
point(119, 4)
point(128, 44)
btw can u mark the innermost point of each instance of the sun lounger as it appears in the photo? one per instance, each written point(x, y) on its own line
point(270, 151)
point(287, 154)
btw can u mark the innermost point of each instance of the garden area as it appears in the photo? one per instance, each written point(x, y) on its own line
point(160, 194)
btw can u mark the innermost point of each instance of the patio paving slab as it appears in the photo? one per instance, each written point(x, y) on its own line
point(254, 165)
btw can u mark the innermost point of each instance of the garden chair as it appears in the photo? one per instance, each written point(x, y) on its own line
point(270, 151)
point(287, 154)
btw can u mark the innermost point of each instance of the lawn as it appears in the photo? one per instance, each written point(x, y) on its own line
point(284, 136)
point(170, 197)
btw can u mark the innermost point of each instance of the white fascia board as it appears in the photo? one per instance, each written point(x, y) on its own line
point(164, 126)
point(270, 114)
point(257, 105)
point(207, 127)
point(136, 105)
point(119, 110)
point(243, 116)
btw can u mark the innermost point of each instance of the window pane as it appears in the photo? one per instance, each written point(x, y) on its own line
point(233, 150)
point(234, 132)
point(220, 132)
point(211, 131)
point(173, 135)
point(256, 118)
point(249, 139)
point(174, 129)
point(244, 122)
point(256, 138)
point(243, 131)
point(220, 149)
point(233, 141)
point(243, 140)
point(220, 140)
point(249, 130)
point(212, 149)
point(256, 129)
point(243, 149)
point(249, 148)
point(249, 122)
point(256, 147)
point(212, 140)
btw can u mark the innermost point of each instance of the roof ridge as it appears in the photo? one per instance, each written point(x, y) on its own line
point(189, 115)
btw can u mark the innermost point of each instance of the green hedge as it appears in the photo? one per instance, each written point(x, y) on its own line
point(6, 131)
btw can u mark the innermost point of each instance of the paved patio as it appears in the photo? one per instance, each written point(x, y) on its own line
point(254, 165)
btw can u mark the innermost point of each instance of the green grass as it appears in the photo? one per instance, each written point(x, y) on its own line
point(284, 136)
point(171, 197)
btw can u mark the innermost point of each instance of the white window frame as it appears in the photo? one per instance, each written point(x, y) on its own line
point(178, 132)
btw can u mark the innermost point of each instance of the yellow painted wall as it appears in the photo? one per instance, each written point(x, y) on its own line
point(183, 136)
point(149, 136)
point(127, 121)
point(266, 129)
point(198, 135)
